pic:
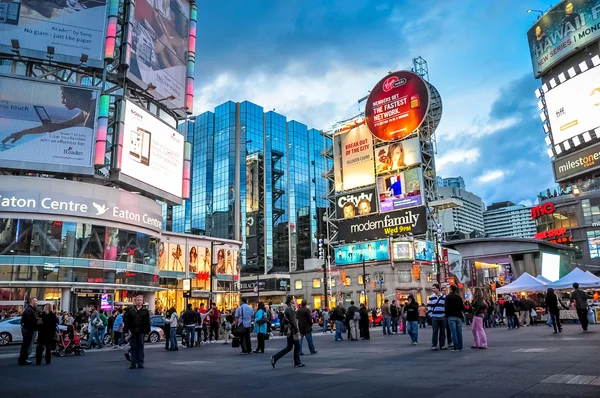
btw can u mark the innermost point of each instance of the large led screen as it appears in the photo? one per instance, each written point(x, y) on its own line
point(46, 126)
point(71, 27)
point(152, 151)
point(574, 106)
point(551, 266)
point(397, 155)
point(354, 164)
point(400, 190)
point(160, 46)
point(367, 251)
point(356, 203)
point(424, 250)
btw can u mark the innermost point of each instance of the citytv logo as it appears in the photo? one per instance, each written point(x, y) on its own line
point(538, 211)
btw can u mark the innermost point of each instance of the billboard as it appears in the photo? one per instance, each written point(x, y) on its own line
point(159, 35)
point(72, 27)
point(577, 163)
point(397, 155)
point(353, 157)
point(574, 106)
point(46, 126)
point(152, 151)
point(226, 260)
point(424, 250)
point(402, 222)
point(402, 251)
point(397, 106)
point(569, 26)
point(353, 204)
point(368, 251)
point(400, 190)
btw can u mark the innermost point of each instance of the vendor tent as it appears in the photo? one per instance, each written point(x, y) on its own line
point(586, 280)
point(525, 283)
point(541, 278)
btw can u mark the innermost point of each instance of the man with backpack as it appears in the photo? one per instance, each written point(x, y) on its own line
point(353, 316)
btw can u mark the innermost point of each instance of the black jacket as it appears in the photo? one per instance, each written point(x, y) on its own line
point(364, 317)
point(47, 330)
point(137, 321)
point(412, 312)
point(304, 320)
point(29, 319)
point(510, 308)
point(290, 318)
point(454, 306)
point(394, 310)
point(189, 317)
point(350, 313)
point(339, 314)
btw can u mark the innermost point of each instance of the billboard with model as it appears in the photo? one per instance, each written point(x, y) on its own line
point(397, 155)
point(46, 126)
point(71, 27)
point(353, 159)
point(400, 190)
point(368, 251)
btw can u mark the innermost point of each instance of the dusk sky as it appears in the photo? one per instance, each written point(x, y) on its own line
point(312, 60)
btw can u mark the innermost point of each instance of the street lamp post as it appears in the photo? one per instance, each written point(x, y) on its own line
point(364, 282)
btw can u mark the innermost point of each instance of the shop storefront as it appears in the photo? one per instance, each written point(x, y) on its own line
point(268, 288)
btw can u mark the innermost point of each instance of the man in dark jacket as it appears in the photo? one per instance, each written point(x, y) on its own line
point(189, 319)
point(137, 322)
point(454, 308)
point(293, 336)
point(395, 317)
point(305, 325)
point(352, 319)
point(28, 325)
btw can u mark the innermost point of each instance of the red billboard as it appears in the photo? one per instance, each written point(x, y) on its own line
point(397, 106)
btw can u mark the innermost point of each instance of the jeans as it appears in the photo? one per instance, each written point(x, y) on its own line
point(291, 344)
point(339, 329)
point(94, 338)
point(27, 340)
point(33, 339)
point(395, 324)
point(439, 332)
point(412, 328)
point(167, 330)
point(555, 317)
point(136, 348)
point(325, 325)
point(478, 332)
point(191, 334)
point(510, 320)
point(456, 331)
point(386, 325)
point(582, 314)
point(173, 338)
point(309, 340)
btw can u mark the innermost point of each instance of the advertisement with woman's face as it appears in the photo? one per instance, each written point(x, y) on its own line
point(397, 155)
point(176, 257)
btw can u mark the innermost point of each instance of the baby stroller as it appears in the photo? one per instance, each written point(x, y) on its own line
point(67, 342)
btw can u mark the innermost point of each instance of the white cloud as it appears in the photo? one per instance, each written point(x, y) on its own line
point(491, 175)
point(456, 156)
point(526, 202)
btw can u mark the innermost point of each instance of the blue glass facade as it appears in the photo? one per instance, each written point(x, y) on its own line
point(256, 177)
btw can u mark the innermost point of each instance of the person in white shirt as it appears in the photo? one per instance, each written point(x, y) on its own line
point(173, 321)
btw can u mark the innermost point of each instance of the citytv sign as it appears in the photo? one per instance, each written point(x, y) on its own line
point(541, 210)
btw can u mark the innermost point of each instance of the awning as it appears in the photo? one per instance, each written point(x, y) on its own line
point(525, 283)
point(586, 280)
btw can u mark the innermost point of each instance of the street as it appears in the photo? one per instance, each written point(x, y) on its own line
point(530, 362)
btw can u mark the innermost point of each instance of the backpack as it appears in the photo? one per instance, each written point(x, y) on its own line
point(356, 316)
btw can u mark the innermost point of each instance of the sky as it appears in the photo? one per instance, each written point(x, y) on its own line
point(311, 60)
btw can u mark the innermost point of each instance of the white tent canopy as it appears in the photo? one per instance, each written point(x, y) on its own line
point(586, 280)
point(545, 280)
point(525, 283)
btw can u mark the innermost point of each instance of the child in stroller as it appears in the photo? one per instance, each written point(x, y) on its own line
point(67, 341)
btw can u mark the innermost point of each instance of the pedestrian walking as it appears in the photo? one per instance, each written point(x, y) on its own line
point(339, 316)
point(437, 313)
point(353, 317)
point(137, 323)
point(190, 319)
point(552, 307)
point(510, 311)
point(479, 310)
point(46, 335)
point(243, 317)
point(411, 311)
point(364, 322)
point(172, 321)
point(228, 325)
point(118, 329)
point(214, 322)
point(304, 317)
point(95, 327)
point(293, 334)
point(387, 317)
point(422, 316)
point(325, 318)
point(28, 325)
point(455, 309)
point(581, 305)
point(260, 327)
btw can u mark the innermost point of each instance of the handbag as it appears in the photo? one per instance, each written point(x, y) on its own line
point(235, 342)
point(533, 313)
point(240, 329)
point(262, 320)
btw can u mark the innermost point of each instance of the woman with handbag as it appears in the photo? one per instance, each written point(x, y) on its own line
point(260, 327)
point(293, 334)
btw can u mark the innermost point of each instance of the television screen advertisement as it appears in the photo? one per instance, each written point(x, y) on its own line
point(424, 250)
point(574, 106)
point(152, 151)
point(399, 223)
point(72, 27)
point(569, 26)
point(368, 251)
point(357, 203)
point(46, 126)
point(354, 163)
point(159, 52)
point(577, 163)
point(400, 190)
point(397, 155)
point(397, 106)
point(402, 251)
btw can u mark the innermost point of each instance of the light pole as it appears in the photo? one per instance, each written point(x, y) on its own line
point(364, 281)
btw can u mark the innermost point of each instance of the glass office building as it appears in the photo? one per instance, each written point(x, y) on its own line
point(257, 178)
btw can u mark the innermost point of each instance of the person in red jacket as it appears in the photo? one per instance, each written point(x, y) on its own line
point(214, 319)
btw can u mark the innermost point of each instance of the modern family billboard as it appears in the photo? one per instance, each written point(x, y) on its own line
point(46, 127)
point(569, 26)
point(70, 27)
point(403, 222)
point(353, 157)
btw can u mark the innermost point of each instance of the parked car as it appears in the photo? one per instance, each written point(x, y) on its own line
point(156, 334)
point(10, 331)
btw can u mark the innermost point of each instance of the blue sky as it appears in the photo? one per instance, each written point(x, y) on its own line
point(312, 60)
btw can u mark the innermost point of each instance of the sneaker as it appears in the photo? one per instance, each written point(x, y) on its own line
point(434, 348)
point(140, 366)
point(453, 350)
point(225, 343)
point(300, 365)
point(444, 348)
point(213, 341)
point(273, 362)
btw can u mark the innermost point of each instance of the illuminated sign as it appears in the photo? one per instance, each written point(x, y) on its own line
point(553, 233)
point(538, 211)
point(187, 287)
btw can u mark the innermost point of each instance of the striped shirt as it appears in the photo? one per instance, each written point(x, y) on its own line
point(436, 306)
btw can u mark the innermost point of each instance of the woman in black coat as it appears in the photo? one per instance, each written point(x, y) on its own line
point(46, 335)
point(363, 323)
point(552, 307)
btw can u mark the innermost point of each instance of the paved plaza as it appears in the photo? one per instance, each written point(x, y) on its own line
point(530, 362)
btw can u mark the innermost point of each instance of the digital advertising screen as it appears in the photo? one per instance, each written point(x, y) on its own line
point(567, 27)
point(551, 266)
point(424, 250)
point(400, 190)
point(47, 126)
point(72, 27)
point(378, 226)
point(152, 151)
point(577, 163)
point(397, 106)
point(354, 163)
point(160, 47)
point(357, 203)
point(367, 251)
point(574, 106)
point(397, 155)
point(402, 251)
